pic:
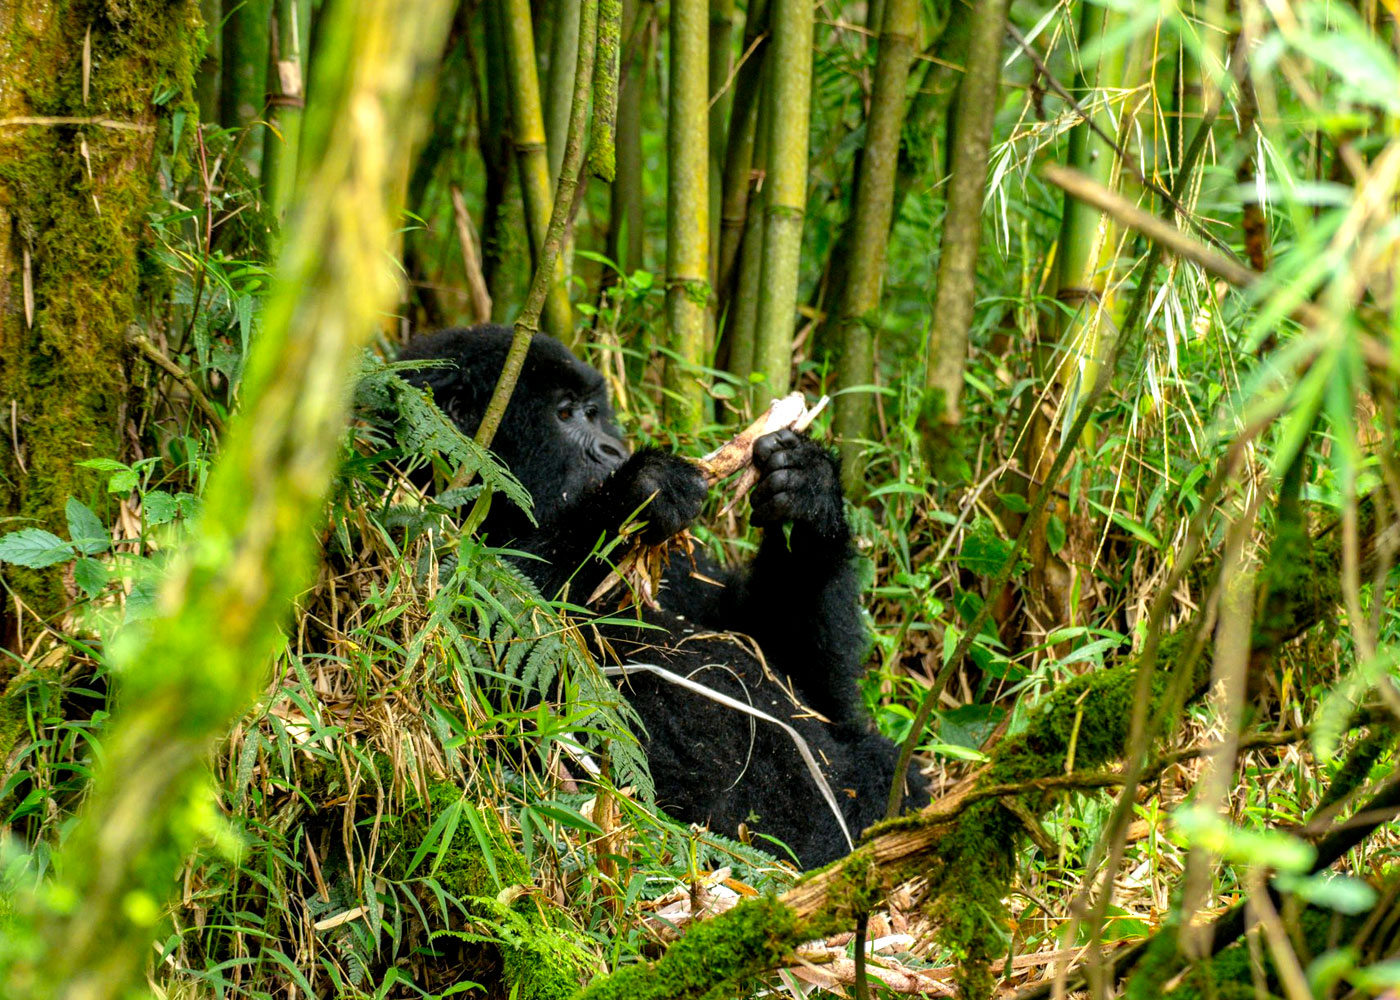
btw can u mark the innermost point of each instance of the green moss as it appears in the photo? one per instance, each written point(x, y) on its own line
point(78, 197)
point(712, 958)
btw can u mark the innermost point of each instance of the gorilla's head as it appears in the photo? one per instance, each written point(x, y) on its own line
point(558, 435)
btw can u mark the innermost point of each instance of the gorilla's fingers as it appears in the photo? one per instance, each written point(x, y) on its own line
point(770, 446)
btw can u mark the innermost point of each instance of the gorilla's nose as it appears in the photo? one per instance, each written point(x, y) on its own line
point(611, 451)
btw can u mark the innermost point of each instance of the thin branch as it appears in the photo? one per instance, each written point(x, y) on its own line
point(153, 354)
point(21, 120)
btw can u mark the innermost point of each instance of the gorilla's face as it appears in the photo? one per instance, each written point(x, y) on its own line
point(557, 436)
point(584, 422)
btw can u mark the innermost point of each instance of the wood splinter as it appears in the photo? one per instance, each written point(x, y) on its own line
point(642, 566)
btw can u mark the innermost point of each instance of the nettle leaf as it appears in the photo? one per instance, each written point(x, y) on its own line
point(87, 531)
point(35, 548)
point(90, 576)
point(984, 551)
point(123, 478)
point(159, 507)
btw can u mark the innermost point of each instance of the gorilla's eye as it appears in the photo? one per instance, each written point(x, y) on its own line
point(590, 412)
point(566, 412)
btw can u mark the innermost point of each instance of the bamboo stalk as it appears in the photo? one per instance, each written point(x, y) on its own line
point(791, 84)
point(741, 322)
point(559, 85)
point(721, 100)
point(244, 72)
point(687, 215)
point(1088, 239)
point(870, 228)
point(625, 232)
point(527, 323)
point(739, 154)
point(532, 155)
point(505, 253)
point(471, 259)
point(962, 225)
point(286, 91)
point(207, 75)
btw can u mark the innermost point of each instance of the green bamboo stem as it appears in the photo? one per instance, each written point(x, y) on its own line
point(207, 80)
point(559, 85)
point(286, 90)
point(962, 225)
point(870, 228)
point(1088, 239)
point(244, 72)
point(625, 244)
point(741, 322)
point(505, 252)
point(532, 158)
point(739, 155)
point(791, 83)
point(687, 215)
point(919, 154)
point(187, 676)
point(528, 322)
point(721, 100)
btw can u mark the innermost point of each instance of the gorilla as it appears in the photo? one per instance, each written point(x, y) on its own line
point(782, 636)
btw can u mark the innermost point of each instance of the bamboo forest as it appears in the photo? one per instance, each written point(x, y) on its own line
point(645, 499)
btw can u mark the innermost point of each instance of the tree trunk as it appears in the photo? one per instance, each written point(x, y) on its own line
point(75, 183)
point(870, 230)
point(790, 82)
point(687, 211)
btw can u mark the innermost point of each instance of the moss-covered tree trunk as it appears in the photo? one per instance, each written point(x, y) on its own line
point(76, 152)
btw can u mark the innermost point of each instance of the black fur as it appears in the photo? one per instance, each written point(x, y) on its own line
point(797, 600)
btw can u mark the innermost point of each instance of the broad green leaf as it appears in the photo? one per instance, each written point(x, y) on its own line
point(86, 529)
point(34, 548)
point(159, 507)
point(90, 576)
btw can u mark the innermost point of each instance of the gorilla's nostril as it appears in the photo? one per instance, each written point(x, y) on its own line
point(612, 450)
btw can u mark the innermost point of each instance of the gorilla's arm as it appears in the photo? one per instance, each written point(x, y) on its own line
point(669, 492)
point(799, 597)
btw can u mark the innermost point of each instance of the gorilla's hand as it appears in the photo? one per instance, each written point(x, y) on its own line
point(799, 481)
point(669, 490)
